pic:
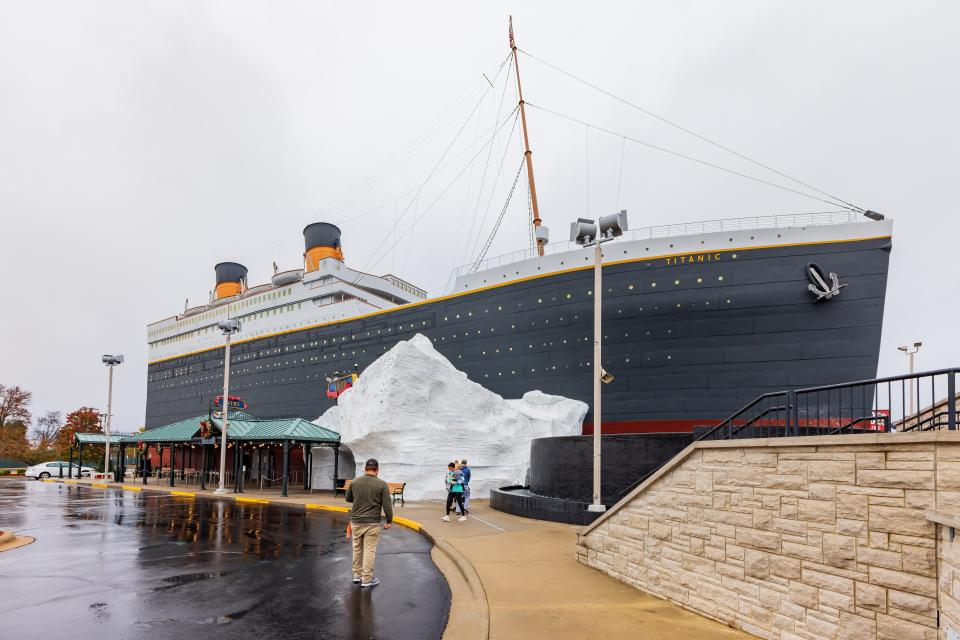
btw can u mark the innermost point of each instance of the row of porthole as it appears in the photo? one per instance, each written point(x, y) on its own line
point(499, 374)
point(443, 338)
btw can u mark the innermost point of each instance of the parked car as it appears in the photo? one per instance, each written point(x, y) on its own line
point(52, 470)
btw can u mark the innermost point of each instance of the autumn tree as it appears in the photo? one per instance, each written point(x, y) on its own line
point(83, 420)
point(13, 441)
point(13, 405)
point(46, 433)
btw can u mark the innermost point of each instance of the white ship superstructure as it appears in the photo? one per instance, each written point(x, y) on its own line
point(326, 290)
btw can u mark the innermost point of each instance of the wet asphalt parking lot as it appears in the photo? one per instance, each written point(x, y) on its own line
point(119, 564)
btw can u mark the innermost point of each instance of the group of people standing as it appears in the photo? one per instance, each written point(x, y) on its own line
point(458, 489)
point(371, 496)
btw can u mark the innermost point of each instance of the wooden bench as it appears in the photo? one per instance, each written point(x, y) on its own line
point(342, 488)
point(396, 491)
point(395, 488)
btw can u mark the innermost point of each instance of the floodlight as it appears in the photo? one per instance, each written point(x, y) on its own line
point(605, 377)
point(231, 325)
point(583, 231)
point(873, 215)
point(112, 360)
point(918, 344)
point(542, 234)
point(614, 224)
point(904, 349)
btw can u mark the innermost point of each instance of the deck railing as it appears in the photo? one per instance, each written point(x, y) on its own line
point(880, 405)
point(820, 218)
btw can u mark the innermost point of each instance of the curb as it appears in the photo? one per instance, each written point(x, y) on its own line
point(469, 616)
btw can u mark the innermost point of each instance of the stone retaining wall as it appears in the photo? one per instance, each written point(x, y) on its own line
point(815, 538)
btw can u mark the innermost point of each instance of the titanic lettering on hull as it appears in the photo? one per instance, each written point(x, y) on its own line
point(690, 337)
point(693, 258)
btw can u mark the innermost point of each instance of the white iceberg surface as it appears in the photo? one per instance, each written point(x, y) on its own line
point(415, 412)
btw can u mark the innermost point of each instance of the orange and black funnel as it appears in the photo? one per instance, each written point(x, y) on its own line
point(322, 240)
point(231, 278)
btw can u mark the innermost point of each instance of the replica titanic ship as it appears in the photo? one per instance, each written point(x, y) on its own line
point(698, 320)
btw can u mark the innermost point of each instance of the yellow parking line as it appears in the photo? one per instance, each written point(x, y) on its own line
point(185, 494)
point(252, 500)
point(326, 507)
point(47, 480)
point(70, 481)
point(100, 485)
point(128, 487)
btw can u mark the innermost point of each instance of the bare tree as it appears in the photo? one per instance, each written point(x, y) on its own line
point(13, 405)
point(47, 430)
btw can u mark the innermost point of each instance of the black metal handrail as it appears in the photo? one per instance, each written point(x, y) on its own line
point(843, 406)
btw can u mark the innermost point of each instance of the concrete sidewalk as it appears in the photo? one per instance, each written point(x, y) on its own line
point(509, 577)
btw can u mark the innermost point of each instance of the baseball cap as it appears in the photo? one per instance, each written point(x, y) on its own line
point(372, 464)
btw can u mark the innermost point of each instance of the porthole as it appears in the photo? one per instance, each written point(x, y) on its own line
point(728, 300)
point(568, 296)
point(699, 280)
point(653, 284)
point(676, 282)
point(734, 256)
point(589, 292)
point(720, 278)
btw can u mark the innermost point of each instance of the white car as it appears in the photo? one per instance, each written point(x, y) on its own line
point(52, 470)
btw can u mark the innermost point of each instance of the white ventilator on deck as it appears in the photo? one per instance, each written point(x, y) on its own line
point(415, 412)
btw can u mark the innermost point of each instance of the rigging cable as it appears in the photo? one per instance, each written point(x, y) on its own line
point(437, 199)
point(496, 180)
point(693, 159)
point(424, 183)
point(399, 158)
point(690, 132)
point(493, 232)
point(486, 166)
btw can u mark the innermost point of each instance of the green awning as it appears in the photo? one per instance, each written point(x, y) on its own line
point(99, 438)
point(242, 427)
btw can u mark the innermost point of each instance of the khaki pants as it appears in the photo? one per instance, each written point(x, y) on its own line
point(365, 539)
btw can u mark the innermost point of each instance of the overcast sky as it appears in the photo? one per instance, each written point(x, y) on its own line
point(143, 142)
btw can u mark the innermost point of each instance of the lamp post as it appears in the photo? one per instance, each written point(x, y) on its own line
point(588, 233)
point(229, 327)
point(911, 351)
point(111, 361)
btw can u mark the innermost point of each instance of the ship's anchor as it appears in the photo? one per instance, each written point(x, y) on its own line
point(818, 283)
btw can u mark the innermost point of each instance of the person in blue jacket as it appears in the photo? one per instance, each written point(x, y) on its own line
point(465, 470)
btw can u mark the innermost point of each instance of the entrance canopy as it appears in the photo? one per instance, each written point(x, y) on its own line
point(99, 438)
point(242, 427)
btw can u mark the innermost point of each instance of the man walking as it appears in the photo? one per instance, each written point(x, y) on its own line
point(466, 485)
point(369, 495)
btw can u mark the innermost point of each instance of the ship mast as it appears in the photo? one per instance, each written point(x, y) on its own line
point(526, 144)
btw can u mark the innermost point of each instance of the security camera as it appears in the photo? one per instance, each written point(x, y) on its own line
point(605, 378)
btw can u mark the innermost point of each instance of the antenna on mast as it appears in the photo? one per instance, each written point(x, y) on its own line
point(540, 232)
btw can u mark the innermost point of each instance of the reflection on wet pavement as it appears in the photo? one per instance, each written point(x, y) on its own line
point(131, 565)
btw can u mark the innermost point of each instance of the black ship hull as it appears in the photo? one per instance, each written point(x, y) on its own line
point(689, 338)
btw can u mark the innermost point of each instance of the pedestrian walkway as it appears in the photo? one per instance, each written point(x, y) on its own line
point(513, 577)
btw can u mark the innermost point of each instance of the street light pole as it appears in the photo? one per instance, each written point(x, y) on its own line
point(589, 233)
point(597, 504)
point(910, 352)
point(111, 361)
point(229, 327)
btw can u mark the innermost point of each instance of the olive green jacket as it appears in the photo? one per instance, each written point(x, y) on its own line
point(369, 494)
